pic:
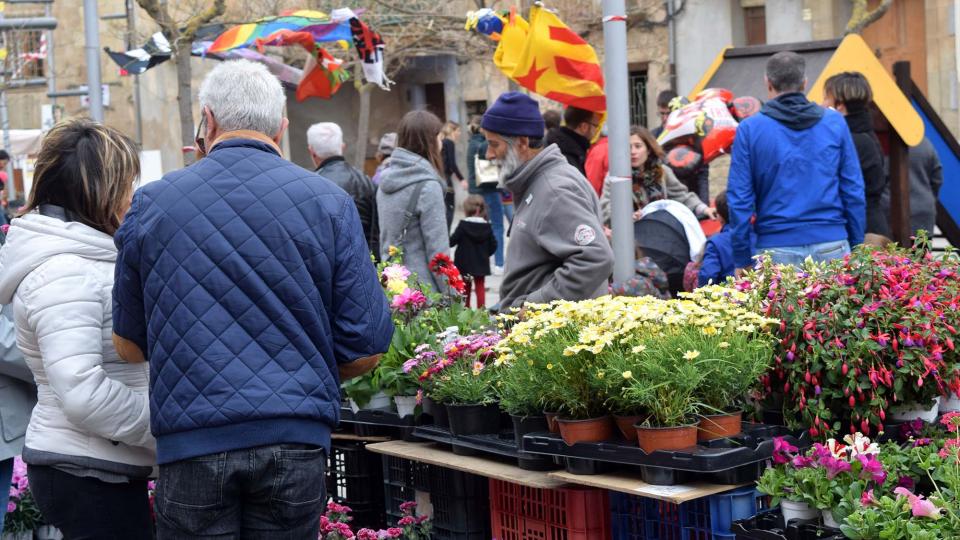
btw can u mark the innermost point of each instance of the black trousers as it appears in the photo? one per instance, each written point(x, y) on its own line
point(88, 509)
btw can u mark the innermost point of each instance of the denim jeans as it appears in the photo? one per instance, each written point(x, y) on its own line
point(495, 205)
point(508, 213)
point(269, 493)
point(89, 509)
point(795, 255)
point(6, 473)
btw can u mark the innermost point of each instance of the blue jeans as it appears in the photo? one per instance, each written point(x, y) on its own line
point(6, 473)
point(495, 205)
point(795, 255)
point(508, 212)
point(270, 493)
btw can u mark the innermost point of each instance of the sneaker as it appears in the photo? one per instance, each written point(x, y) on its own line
point(498, 270)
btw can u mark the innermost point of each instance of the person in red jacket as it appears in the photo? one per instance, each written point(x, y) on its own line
point(598, 164)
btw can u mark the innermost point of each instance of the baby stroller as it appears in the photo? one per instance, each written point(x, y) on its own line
point(661, 237)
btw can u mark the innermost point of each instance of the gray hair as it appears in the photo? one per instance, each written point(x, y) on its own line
point(244, 95)
point(325, 139)
point(785, 72)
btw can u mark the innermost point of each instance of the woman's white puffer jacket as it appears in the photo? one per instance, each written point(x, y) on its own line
point(91, 404)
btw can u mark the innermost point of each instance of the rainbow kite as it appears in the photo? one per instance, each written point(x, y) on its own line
point(323, 27)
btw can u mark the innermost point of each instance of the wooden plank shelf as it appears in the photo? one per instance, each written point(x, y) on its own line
point(431, 454)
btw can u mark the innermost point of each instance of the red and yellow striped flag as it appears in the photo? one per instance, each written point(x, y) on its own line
point(550, 59)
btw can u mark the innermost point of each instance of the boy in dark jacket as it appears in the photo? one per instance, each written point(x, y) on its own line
point(717, 264)
point(849, 93)
point(475, 243)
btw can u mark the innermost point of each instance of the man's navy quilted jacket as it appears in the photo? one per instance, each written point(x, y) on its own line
point(246, 280)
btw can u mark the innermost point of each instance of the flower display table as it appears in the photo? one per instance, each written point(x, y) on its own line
point(631, 484)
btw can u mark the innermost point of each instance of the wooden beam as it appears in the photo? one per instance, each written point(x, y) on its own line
point(900, 169)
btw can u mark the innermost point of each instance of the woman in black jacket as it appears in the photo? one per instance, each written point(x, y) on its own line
point(849, 93)
point(451, 132)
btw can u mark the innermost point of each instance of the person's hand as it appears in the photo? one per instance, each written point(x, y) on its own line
point(608, 232)
point(711, 213)
point(637, 215)
point(740, 272)
point(464, 185)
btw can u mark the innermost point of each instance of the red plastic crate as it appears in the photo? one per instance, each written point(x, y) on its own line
point(525, 513)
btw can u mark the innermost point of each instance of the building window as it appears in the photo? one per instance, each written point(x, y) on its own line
point(638, 97)
point(26, 53)
point(755, 23)
point(475, 108)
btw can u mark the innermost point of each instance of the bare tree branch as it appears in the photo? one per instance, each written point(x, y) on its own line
point(863, 16)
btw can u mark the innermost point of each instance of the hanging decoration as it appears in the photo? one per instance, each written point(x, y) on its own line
point(544, 56)
point(136, 61)
point(323, 73)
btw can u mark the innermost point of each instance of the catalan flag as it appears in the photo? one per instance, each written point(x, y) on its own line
point(548, 58)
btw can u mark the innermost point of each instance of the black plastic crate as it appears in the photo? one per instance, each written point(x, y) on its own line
point(398, 471)
point(394, 496)
point(439, 533)
point(461, 502)
point(354, 478)
point(769, 526)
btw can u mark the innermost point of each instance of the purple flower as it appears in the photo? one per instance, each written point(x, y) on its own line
point(834, 466)
point(410, 364)
point(790, 356)
point(781, 449)
point(802, 462)
point(906, 482)
point(872, 468)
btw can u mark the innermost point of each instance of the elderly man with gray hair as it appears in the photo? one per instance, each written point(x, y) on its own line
point(326, 148)
point(247, 284)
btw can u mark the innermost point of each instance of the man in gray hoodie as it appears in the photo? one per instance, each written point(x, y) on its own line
point(557, 247)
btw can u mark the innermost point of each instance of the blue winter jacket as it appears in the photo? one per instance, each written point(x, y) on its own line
point(794, 166)
point(246, 280)
point(718, 263)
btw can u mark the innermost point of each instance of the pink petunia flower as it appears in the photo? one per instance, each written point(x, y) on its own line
point(919, 506)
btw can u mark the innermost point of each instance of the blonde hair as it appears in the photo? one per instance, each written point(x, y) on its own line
point(449, 128)
point(87, 169)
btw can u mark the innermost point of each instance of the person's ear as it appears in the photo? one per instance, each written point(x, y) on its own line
point(212, 127)
point(283, 127)
point(805, 82)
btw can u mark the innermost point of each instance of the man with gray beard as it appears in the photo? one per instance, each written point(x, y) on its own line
point(557, 247)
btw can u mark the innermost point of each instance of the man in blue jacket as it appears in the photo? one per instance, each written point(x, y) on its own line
point(795, 168)
point(247, 284)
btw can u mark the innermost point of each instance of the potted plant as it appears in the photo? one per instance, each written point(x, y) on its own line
point(862, 339)
point(666, 387)
point(23, 515)
point(463, 378)
point(626, 410)
point(520, 392)
point(739, 357)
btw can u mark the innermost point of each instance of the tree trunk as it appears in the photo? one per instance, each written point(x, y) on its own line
point(185, 100)
point(363, 126)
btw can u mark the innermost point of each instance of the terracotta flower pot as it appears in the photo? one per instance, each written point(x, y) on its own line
point(552, 421)
point(719, 426)
point(668, 438)
point(591, 430)
point(625, 425)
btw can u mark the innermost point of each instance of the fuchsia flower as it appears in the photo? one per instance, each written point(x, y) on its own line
point(802, 462)
point(835, 466)
point(406, 521)
point(408, 507)
point(367, 534)
point(919, 506)
point(394, 532)
point(867, 498)
point(11, 507)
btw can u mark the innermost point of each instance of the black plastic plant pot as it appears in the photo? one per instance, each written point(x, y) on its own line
point(739, 475)
point(536, 463)
point(585, 467)
point(437, 411)
point(528, 424)
point(658, 476)
point(473, 419)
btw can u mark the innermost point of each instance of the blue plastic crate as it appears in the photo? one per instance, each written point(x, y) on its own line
point(709, 518)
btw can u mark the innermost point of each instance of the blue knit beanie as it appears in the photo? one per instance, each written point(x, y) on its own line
point(514, 115)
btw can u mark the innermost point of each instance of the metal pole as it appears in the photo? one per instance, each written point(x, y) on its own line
point(91, 31)
point(131, 35)
point(618, 118)
point(51, 66)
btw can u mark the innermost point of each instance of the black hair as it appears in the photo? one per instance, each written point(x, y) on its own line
point(721, 204)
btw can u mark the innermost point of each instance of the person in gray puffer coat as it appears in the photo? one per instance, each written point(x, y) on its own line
point(414, 172)
point(557, 247)
point(18, 395)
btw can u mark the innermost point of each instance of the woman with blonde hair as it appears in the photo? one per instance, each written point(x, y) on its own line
point(88, 447)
